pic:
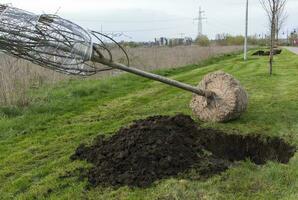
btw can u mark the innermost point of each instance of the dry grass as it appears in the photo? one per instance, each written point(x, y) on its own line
point(165, 57)
point(18, 76)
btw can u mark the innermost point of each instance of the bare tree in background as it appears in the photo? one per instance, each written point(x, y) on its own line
point(281, 18)
point(275, 10)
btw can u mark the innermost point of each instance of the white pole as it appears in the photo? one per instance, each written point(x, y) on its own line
point(246, 31)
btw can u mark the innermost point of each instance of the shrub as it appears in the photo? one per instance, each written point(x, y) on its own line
point(203, 40)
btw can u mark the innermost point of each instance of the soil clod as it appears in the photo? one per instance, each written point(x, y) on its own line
point(162, 146)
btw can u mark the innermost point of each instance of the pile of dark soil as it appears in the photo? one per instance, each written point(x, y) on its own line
point(267, 53)
point(162, 146)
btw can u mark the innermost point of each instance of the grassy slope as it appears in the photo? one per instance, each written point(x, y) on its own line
point(36, 143)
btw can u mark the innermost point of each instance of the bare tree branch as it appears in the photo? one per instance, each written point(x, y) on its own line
point(275, 10)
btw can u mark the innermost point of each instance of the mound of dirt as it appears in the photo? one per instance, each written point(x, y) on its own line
point(163, 146)
point(267, 53)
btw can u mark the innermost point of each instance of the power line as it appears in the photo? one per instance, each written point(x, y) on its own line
point(142, 30)
point(134, 21)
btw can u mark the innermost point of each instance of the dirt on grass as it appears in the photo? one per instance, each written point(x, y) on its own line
point(162, 146)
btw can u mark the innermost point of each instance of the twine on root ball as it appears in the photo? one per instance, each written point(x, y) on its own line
point(228, 102)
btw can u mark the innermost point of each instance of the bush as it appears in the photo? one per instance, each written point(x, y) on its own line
point(226, 39)
point(203, 40)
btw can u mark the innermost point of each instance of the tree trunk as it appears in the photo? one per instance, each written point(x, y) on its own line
point(272, 42)
point(272, 39)
point(271, 49)
point(270, 64)
point(277, 30)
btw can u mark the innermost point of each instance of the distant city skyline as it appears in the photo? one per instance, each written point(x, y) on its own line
point(144, 20)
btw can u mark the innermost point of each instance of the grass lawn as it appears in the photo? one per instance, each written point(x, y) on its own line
point(36, 142)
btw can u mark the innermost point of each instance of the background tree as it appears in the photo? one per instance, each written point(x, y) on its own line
point(293, 37)
point(281, 18)
point(274, 10)
point(202, 40)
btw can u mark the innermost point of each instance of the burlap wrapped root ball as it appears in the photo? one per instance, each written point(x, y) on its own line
point(229, 101)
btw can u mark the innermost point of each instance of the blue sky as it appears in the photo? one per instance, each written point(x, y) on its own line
point(143, 20)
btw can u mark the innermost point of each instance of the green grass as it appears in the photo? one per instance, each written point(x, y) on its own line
point(36, 142)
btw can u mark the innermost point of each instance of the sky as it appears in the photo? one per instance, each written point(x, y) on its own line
point(144, 20)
